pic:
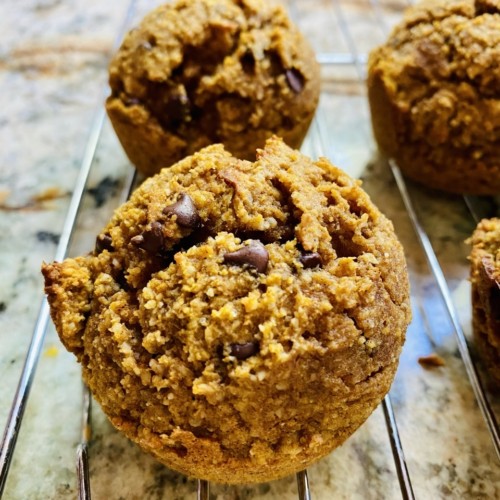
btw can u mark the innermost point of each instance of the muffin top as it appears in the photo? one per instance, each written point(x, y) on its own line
point(442, 63)
point(238, 320)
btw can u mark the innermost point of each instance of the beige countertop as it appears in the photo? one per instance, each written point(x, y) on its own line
point(53, 60)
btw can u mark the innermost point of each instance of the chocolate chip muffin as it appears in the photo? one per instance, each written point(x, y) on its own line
point(199, 72)
point(433, 92)
point(238, 320)
point(485, 281)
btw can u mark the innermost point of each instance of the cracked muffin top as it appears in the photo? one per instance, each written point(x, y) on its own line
point(434, 94)
point(238, 320)
point(199, 72)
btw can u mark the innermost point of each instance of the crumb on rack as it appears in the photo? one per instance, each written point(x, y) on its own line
point(432, 360)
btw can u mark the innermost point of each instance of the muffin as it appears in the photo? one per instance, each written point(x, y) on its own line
point(485, 281)
point(199, 72)
point(238, 320)
point(433, 93)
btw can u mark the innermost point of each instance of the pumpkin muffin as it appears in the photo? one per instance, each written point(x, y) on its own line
point(485, 281)
point(199, 72)
point(238, 320)
point(434, 95)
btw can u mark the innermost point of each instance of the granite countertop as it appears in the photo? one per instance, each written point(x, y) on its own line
point(53, 60)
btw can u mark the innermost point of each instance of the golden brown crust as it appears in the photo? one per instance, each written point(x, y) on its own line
point(200, 72)
point(433, 92)
point(485, 281)
point(69, 304)
point(228, 371)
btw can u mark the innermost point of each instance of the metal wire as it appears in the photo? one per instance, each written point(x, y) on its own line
point(21, 397)
point(441, 281)
point(339, 59)
point(19, 403)
point(203, 490)
point(436, 270)
point(390, 419)
point(349, 39)
point(397, 450)
point(379, 16)
point(303, 485)
point(82, 455)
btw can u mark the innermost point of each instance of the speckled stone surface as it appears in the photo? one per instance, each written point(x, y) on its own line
point(53, 58)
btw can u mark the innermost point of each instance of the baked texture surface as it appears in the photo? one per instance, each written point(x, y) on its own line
point(485, 281)
point(199, 72)
point(434, 95)
point(238, 320)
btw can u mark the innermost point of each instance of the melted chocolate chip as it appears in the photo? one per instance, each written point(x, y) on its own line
point(152, 40)
point(254, 255)
point(185, 210)
point(244, 351)
point(275, 63)
point(310, 259)
point(295, 80)
point(103, 242)
point(247, 61)
point(151, 240)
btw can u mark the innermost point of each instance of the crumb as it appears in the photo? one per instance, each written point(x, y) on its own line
point(431, 360)
point(51, 351)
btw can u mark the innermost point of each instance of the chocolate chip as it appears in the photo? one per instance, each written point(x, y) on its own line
point(185, 210)
point(247, 61)
point(103, 242)
point(151, 240)
point(244, 351)
point(254, 255)
point(152, 40)
point(310, 259)
point(177, 107)
point(275, 63)
point(295, 80)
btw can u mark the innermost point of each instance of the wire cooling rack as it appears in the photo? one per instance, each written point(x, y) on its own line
point(441, 437)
